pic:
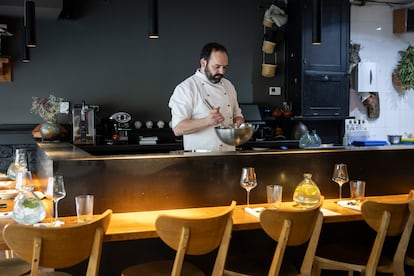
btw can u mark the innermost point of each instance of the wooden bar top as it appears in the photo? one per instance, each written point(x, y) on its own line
point(141, 225)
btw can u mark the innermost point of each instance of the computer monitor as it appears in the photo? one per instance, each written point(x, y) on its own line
point(251, 113)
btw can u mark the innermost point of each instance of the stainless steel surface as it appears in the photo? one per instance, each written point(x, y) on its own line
point(394, 139)
point(235, 136)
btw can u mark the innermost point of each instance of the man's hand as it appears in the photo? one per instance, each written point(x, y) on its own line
point(214, 117)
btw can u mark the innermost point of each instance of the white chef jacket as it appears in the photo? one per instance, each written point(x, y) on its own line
point(187, 103)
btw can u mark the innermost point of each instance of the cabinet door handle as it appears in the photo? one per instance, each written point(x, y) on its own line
point(370, 77)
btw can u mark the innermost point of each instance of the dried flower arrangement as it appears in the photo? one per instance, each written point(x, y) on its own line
point(47, 108)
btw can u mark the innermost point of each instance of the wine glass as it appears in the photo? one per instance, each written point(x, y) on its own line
point(340, 176)
point(248, 180)
point(58, 193)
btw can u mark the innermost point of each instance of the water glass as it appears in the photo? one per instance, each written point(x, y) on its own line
point(84, 207)
point(357, 189)
point(274, 195)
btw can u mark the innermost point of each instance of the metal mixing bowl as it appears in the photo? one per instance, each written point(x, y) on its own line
point(235, 136)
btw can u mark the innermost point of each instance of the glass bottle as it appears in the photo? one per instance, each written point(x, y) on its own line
point(307, 193)
point(19, 163)
point(28, 207)
point(316, 140)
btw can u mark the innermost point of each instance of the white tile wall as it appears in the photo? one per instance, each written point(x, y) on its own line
point(381, 47)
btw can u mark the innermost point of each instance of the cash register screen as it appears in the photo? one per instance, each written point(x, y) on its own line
point(251, 113)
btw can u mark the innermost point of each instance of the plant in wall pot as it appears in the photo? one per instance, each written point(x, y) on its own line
point(403, 74)
point(48, 109)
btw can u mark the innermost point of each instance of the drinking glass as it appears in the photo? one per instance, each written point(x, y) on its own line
point(58, 193)
point(248, 180)
point(340, 176)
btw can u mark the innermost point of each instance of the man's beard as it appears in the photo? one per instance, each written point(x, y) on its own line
point(213, 78)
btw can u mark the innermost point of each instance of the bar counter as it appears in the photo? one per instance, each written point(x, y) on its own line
point(176, 180)
point(141, 225)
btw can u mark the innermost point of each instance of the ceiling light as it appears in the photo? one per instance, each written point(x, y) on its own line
point(153, 19)
point(30, 23)
point(316, 22)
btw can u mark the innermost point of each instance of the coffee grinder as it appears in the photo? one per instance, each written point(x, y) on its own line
point(83, 117)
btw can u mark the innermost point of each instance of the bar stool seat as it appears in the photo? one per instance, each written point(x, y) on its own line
point(160, 268)
point(14, 267)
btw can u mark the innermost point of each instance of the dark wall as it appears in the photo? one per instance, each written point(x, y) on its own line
point(104, 57)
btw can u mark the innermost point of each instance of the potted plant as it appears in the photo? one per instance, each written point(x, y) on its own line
point(403, 74)
point(48, 109)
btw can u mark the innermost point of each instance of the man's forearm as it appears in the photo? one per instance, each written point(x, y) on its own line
point(190, 126)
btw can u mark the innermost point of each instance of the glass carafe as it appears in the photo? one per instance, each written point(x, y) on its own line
point(28, 207)
point(307, 193)
point(18, 163)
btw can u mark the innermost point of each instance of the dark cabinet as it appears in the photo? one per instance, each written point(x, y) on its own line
point(317, 76)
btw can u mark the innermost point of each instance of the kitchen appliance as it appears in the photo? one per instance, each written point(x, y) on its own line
point(121, 128)
point(83, 117)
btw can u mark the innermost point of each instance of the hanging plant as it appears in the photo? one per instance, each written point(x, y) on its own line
point(404, 71)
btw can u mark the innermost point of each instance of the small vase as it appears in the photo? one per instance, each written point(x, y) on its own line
point(50, 130)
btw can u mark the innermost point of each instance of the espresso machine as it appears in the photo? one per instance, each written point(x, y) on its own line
point(83, 117)
point(120, 127)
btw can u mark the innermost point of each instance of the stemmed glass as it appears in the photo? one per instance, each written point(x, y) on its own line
point(340, 176)
point(58, 193)
point(248, 180)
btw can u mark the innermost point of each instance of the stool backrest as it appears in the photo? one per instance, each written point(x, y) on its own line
point(292, 228)
point(387, 219)
point(59, 247)
point(385, 216)
point(197, 236)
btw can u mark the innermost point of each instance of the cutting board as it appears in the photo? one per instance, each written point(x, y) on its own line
point(369, 143)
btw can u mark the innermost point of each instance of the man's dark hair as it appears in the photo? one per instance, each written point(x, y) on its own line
point(210, 47)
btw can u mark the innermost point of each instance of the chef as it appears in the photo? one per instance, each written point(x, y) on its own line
point(191, 116)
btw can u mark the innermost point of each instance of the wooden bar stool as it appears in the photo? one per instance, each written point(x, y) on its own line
point(192, 236)
point(409, 258)
point(59, 247)
point(291, 228)
point(387, 220)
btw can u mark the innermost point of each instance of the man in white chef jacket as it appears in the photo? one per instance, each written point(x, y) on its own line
point(191, 117)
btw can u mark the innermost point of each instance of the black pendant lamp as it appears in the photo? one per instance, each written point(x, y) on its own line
point(30, 23)
point(26, 54)
point(153, 19)
point(26, 50)
point(316, 22)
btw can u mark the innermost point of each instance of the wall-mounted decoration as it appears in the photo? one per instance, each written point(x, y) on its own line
point(5, 69)
point(5, 61)
point(274, 16)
